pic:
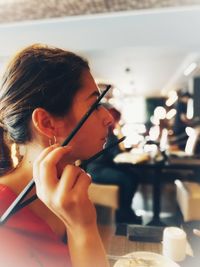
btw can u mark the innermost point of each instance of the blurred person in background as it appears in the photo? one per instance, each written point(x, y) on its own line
point(181, 121)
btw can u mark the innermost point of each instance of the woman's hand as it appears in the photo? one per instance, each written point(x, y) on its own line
point(67, 195)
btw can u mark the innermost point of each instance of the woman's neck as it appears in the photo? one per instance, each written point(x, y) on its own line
point(20, 176)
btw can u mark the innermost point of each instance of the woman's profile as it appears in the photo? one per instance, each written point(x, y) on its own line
point(44, 93)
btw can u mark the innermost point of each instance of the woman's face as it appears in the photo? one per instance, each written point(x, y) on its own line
point(91, 137)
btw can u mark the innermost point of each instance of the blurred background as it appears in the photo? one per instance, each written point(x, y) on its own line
point(148, 50)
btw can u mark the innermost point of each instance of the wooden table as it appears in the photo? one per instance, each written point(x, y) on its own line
point(156, 171)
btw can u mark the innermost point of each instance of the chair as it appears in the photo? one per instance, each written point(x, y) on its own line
point(188, 198)
point(106, 199)
point(104, 195)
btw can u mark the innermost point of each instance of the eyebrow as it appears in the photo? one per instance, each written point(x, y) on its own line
point(94, 93)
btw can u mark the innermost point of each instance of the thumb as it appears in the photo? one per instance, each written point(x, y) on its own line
point(83, 182)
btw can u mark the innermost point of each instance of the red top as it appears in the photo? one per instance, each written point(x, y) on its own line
point(26, 240)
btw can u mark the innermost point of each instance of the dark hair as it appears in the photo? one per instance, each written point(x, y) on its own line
point(5, 162)
point(38, 76)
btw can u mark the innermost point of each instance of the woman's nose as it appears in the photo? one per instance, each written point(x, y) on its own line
point(108, 120)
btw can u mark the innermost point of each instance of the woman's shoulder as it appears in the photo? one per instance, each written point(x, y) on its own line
point(6, 181)
point(13, 183)
point(26, 234)
point(6, 196)
point(6, 192)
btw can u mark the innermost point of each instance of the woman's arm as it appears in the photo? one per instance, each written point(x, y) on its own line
point(86, 248)
point(68, 198)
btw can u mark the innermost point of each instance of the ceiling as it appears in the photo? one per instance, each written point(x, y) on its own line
point(142, 52)
point(20, 10)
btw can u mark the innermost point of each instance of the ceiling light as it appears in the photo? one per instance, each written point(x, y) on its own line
point(190, 68)
point(160, 113)
point(172, 98)
point(171, 113)
point(190, 109)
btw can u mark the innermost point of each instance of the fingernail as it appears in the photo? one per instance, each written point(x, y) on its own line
point(55, 145)
point(89, 175)
point(77, 162)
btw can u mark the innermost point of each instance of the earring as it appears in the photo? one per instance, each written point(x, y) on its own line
point(54, 141)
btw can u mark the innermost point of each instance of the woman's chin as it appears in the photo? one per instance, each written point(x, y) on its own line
point(91, 154)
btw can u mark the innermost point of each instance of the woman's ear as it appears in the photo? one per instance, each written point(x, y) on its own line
point(44, 122)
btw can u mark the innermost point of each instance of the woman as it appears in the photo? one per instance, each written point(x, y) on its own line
point(44, 93)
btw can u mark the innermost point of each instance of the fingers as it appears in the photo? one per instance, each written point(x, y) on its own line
point(42, 155)
point(83, 182)
point(67, 195)
point(69, 178)
point(51, 187)
point(73, 178)
point(44, 170)
point(54, 156)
